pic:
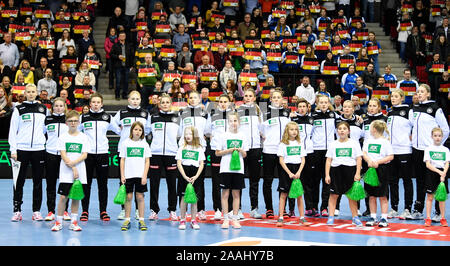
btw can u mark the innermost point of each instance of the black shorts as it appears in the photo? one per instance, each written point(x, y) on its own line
point(383, 172)
point(342, 178)
point(134, 184)
point(64, 188)
point(190, 171)
point(232, 181)
point(432, 180)
point(284, 183)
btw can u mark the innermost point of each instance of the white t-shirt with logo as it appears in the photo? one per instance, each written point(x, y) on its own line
point(232, 140)
point(190, 156)
point(135, 153)
point(74, 146)
point(291, 153)
point(378, 148)
point(344, 153)
point(437, 155)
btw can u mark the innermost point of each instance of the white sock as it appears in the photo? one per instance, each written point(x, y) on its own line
point(73, 217)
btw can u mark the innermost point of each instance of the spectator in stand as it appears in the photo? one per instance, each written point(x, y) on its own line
point(48, 84)
point(25, 70)
point(9, 53)
point(306, 91)
point(122, 55)
point(415, 49)
point(110, 40)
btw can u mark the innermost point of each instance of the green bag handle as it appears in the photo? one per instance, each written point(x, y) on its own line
point(121, 196)
point(235, 162)
point(76, 191)
point(296, 189)
point(189, 194)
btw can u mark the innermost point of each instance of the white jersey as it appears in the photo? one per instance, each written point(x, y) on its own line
point(437, 155)
point(292, 153)
point(377, 149)
point(232, 140)
point(190, 156)
point(135, 153)
point(344, 153)
point(74, 146)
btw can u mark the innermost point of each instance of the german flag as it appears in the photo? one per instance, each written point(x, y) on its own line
point(408, 88)
point(405, 25)
point(157, 15)
point(189, 77)
point(248, 77)
point(169, 76)
point(253, 54)
point(330, 69)
point(361, 64)
point(26, 11)
point(162, 28)
point(59, 27)
point(146, 72)
point(444, 86)
point(362, 34)
point(311, 64)
point(208, 75)
point(381, 93)
point(337, 50)
point(42, 13)
point(437, 68)
point(273, 56)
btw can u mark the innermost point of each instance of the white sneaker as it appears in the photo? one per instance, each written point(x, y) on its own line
point(16, 217)
point(37, 216)
point(74, 226)
point(254, 214)
point(121, 215)
point(50, 217)
point(218, 215)
point(392, 214)
point(202, 215)
point(136, 214)
point(57, 227)
point(241, 215)
point(66, 216)
point(173, 216)
point(153, 215)
point(336, 212)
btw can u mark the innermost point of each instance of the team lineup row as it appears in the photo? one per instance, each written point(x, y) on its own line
point(43, 139)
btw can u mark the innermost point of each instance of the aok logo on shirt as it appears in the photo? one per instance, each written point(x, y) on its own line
point(293, 150)
point(189, 155)
point(135, 152)
point(374, 148)
point(344, 152)
point(437, 156)
point(234, 143)
point(74, 147)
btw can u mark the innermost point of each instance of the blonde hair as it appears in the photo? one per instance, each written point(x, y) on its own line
point(195, 137)
point(285, 138)
point(381, 127)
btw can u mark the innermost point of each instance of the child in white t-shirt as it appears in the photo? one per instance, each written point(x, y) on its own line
point(190, 162)
point(134, 164)
point(73, 146)
point(436, 158)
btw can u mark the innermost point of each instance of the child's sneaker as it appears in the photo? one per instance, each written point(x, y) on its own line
point(236, 224)
point(125, 226)
point(427, 222)
point(121, 215)
point(84, 217)
point(330, 220)
point(356, 221)
point(280, 222)
point(173, 216)
point(66, 217)
point(142, 226)
point(195, 225)
point(153, 215)
point(444, 222)
point(74, 226)
point(37, 216)
point(17, 217)
point(50, 217)
point(371, 222)
point(304, 222)
point(57, 226)
point(383, 223)
point(225, 224)
point(182, 225)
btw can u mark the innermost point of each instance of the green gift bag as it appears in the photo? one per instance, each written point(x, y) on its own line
point(121, 196)
point(189, 194)
point(296, 189)
point(371, 177)
point(235, 163)
point(356, 192)
point(76, 191)
point(441, 192)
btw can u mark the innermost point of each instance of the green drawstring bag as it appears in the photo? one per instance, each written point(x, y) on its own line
point(371, 177)
point(296, 189)
point(189, 194)
point(235, 163)
point(121, 196)
point(441, 192)
point(76, 191)
point(356, 192)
